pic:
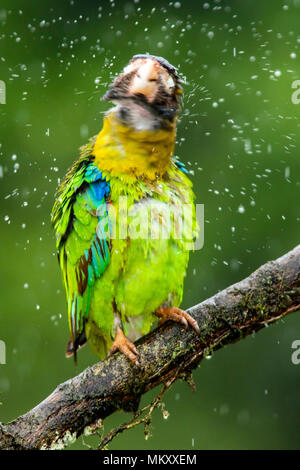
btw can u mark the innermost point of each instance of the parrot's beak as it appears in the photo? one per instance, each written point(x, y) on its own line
point(145, 79)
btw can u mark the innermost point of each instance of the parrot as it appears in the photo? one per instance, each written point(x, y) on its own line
point(118, 217)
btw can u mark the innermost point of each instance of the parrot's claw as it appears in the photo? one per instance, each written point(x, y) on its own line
point(122, 344)
point(177, 315)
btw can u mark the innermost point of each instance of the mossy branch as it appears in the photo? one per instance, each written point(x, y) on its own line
point(170, 352)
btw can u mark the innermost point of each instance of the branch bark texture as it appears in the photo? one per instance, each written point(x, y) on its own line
point(74, 407)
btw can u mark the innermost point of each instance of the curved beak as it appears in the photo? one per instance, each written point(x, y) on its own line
point(145, 80)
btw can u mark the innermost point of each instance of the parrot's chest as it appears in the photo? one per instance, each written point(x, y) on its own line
point(147, 215)
point(151, 230)
point(154, 258)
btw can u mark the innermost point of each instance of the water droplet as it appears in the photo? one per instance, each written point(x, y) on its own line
point(84, 130)
point(287, 172)
point(224, 409)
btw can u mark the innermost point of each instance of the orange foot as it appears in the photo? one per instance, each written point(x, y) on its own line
point(121, 343)
point(178, 315)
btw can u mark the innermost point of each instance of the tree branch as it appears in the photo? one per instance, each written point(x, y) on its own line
point(168, 352)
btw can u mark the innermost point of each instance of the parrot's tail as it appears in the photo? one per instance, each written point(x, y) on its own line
point(72, 347)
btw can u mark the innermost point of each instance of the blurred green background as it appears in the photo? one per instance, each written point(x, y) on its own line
point(238, 133)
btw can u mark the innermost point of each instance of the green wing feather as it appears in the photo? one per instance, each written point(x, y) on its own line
point(80, 219)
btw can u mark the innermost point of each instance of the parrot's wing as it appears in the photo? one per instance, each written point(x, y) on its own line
point(81, 221)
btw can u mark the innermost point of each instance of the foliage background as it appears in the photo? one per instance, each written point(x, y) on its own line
point(238, 132)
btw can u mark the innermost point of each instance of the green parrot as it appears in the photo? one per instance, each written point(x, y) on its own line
point(125, 218)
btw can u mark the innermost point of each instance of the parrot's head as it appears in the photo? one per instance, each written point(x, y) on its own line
point(147, 93)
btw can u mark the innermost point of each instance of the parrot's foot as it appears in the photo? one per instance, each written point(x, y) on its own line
point(122, 344)
point(178, 315)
